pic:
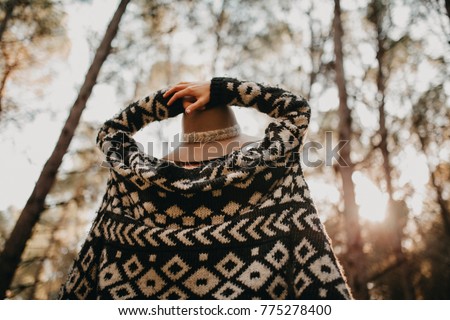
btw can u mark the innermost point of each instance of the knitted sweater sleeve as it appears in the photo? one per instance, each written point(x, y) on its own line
point(291, 112)
point(136, 116)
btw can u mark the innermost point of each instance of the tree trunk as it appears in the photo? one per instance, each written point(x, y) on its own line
point(9, 8)
point(220, 20)
point(4, 78)
point(380, 12)
point(443, 206)
point(315, 52)
point(442, 203)
point(447, 7)
point(381, 78)
point(355, 260)
point(51, 252)
point(7, 71)
point(15, 245)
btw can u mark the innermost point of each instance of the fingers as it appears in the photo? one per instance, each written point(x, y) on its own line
point(178, 87)
point(196, 105)
point(178, 95)
point(200, 91)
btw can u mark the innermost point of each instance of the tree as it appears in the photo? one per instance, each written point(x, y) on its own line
point(447, 7)
point(69, 210)
point(377, 14)
point(9, 6)
point(221, 18)
point(355, 259)
point(431, 124)
point(27, 27)
point(15, 245)
point(378, 11)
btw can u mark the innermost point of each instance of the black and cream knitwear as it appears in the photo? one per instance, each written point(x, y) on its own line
point(242, 226)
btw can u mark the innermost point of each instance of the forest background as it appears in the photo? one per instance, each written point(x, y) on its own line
point(376, 73)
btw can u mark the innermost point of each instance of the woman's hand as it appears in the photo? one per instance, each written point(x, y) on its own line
point(198, 92)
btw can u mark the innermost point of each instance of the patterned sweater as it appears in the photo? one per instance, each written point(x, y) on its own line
point(243, 226)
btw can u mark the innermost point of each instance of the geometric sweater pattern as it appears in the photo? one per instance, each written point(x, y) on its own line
point(242, 226)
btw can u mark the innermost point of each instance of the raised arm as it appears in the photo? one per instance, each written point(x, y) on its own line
point(137, 115)
point(290, 110)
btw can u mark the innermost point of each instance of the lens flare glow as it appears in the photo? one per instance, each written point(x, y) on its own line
point(371, 201)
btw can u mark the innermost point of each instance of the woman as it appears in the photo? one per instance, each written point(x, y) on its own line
point(239, 226)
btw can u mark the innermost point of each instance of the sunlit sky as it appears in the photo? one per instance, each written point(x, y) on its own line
point(29, 147)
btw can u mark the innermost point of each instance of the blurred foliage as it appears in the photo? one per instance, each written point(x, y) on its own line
point(33, 31)
point(70, 209)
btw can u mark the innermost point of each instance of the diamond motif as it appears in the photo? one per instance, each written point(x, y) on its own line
point(160, 218)
point(231, 208)
point(88, 258)
point(188, 221)
point(149, 207)
point(324, 269)
point(162, 194)
point(133, 267)
point(124, 291)
point(203, 212)
point(229, 265)
point(201, 282)
point(150, 283)
point(74, 276)
point(142, 184)
point(278, 256)
point(302, 281)
point(304, 251)
point(255, 275)
point(229, 291)
point(109, 275)
point(175, 268)
point(174, 211)
point(83, 289)
point(125, 202)
point(278, 289)
point(217, 219)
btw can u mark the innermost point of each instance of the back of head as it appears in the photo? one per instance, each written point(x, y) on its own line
point(213, 118)
point(215, 132)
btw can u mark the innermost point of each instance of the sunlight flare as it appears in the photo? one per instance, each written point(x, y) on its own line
point(371, 201)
